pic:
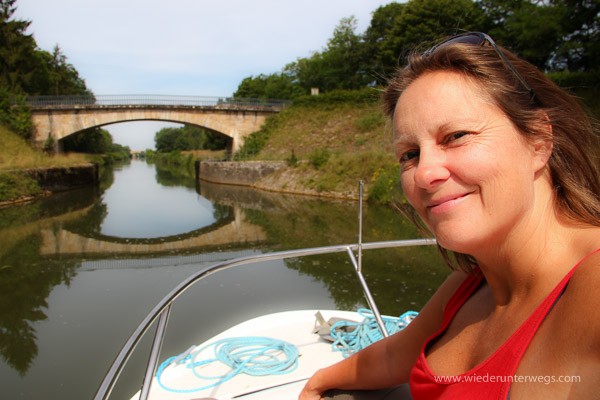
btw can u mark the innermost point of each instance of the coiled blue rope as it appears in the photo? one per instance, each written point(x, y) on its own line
point(350, 337)
point(256, 356)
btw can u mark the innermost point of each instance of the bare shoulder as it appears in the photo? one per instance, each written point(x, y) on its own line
point(582, 298)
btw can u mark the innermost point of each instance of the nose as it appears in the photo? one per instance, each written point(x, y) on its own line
point(431, 170)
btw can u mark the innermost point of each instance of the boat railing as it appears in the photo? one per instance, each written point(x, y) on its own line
point(162, 310)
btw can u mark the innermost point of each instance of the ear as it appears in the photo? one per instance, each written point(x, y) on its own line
point(542, 142)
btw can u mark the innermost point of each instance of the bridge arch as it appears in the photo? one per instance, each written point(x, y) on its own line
point(64, 116)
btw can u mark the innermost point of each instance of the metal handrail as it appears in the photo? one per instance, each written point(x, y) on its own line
point(162, 309)
point(151, 100)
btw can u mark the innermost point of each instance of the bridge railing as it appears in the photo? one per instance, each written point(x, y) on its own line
point(151, 100)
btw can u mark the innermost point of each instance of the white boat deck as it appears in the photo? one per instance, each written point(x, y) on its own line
point(295, 327)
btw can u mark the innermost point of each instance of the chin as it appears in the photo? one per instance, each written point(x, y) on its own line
point(458, 243)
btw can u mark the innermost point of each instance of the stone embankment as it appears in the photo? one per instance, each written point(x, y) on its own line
point(273, 176)
point(57, 179)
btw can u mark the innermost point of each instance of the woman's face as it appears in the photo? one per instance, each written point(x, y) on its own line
point(465, 168)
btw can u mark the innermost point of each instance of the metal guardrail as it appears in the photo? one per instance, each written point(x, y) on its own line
point(151, 100)
point(162, 310)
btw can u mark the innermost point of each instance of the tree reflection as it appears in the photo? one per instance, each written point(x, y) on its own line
point(400, 279)
point(25, 283)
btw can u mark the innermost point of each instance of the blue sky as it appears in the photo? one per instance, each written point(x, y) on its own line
point(183, 47)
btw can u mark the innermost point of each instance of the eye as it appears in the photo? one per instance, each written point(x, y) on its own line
point(408, 156)
point(455, 136)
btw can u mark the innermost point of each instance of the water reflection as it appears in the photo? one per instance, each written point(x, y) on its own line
point(65, 277)
point(151, 210)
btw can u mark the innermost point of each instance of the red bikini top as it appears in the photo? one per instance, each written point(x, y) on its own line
point(492, 378)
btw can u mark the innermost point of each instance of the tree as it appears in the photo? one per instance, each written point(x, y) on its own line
point(273, 86)
point(380, 58)
point(424, 22)
point(579, 49)
point(339, 66)
point(529, 29)
point(26, 69)
point(17, 50)
point(188, 137)
point(92, 140)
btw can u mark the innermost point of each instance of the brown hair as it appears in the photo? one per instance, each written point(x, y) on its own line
point(573, 164)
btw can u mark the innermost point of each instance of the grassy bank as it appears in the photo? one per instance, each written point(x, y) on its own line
point(16, 155)
point(334, 140)
point(330, 143)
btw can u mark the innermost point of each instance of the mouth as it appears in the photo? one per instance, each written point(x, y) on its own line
point(446, 202)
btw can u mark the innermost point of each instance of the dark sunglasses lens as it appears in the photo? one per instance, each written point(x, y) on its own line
point(470, 38)
point(466, 39)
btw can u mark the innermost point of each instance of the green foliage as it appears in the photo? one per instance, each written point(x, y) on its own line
point(576, 80)
point(273, 86)
point(383, 58)
point(92, 141)
point(256, 141)
point(49, 145)
point(363, 96)
point(369, 122)
point(253, 144)
point(339, 66)
point(15, 185)
point(189, 137)
point(319, 157)
point(117, 153)
point(15, 114)
point(292, 160)
point(179, 164)
point(26, 69)
point(554, 35)
point(385, 185)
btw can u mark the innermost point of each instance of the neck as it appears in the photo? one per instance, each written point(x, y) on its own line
point(531, 258)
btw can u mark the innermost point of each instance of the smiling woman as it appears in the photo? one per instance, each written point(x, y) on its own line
point(496, 163)
point(454, 163)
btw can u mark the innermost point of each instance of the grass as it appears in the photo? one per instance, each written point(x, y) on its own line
point(16, 154)
point(335, 147)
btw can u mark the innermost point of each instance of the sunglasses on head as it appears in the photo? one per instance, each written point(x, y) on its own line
point(480, 39)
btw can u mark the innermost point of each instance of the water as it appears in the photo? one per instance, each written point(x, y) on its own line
point(80, 270)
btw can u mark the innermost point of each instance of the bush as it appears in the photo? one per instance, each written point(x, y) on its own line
point(385, 186)
point(319, 157)
point(15, 114)
point(368, 95)
point(369, 122)
point(292, 160)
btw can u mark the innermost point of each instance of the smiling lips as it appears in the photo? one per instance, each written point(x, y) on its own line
point(445, 203)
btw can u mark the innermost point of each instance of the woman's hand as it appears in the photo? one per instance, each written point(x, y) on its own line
point(310, 392)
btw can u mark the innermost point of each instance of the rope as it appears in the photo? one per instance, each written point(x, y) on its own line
point(256, 356)
point(350, 337)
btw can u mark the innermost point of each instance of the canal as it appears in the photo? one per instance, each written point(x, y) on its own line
point(80, 269)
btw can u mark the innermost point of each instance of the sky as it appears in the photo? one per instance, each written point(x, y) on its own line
point(183, 47)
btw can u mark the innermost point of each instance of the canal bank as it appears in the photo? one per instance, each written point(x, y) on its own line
point(42, 182)
point(272, 176)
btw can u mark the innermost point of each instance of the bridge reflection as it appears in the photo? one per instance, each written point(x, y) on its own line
point(237, 231)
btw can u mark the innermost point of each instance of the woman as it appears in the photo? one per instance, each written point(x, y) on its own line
point(497, 162)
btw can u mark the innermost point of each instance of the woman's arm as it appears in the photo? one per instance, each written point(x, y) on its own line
point(387, 362)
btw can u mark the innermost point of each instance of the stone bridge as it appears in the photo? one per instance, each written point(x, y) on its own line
point(60, 116)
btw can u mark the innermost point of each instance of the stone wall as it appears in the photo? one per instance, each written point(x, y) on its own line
point(237, 173)
point(56, 179)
